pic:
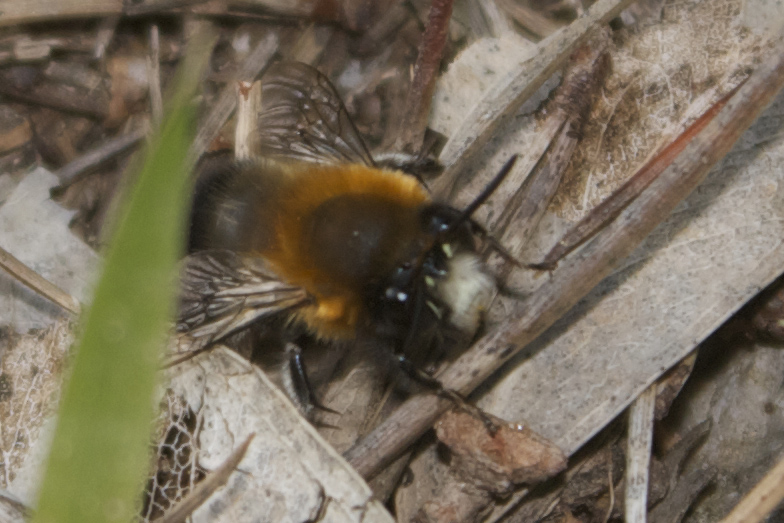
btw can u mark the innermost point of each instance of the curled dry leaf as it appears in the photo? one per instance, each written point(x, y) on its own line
point(512, 455)
point(484, 465)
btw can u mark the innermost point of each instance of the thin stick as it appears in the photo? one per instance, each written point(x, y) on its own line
point(420, 95)
point(154, 76)
point(610, 486)
point(38, 283)
point(254, 64)
point(56, 96)
point(638, 456)
point(762, 499)
point(578, 275)
point(105, 151)
point(106, 29)
point(215, 480)
point(531, 20)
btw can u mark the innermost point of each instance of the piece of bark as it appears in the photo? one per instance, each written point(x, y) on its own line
point(20, 11)
point(26, 85)
point(15, 130)
point(670, 385)
point(485, 464)
point(57, 136)
point(675, 506)
point(497, 460)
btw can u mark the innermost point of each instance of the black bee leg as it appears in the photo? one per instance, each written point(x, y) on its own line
point(300, 384)
point(455, 397)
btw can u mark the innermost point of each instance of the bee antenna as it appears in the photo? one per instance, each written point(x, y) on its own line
point(484, 195)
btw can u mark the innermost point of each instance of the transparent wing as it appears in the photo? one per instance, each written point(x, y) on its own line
point(223, 292)
point(303, 119)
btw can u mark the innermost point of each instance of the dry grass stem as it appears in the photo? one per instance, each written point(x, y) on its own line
point(638, 456)
point(529, 19)
point(254, 64)
point(22, 11)
point(762, 499)
point(36, 282)
point(103, 152)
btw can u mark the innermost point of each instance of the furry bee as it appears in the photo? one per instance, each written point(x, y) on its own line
point(315, 236)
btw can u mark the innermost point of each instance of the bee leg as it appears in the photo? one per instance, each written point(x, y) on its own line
point(421, 377)
point(300, 385)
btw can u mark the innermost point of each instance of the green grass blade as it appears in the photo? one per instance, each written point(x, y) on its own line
point(100, 452)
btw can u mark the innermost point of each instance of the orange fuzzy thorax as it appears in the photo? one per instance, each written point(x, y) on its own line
point(338, 305)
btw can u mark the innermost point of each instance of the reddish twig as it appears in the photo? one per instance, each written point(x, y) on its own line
point(431, 49)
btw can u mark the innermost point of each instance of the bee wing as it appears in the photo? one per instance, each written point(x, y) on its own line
point(223, 292)
point(303, 119)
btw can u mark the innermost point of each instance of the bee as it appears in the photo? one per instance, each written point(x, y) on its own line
point(314, 237)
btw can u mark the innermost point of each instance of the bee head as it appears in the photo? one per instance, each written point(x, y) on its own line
point(447, 282)
point(444, 284)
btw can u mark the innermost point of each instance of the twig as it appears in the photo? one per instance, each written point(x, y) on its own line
point(254, 64)
point(215, 480)
point(94, 104)
point(762, 499)
point(638, 456)
point(578, 275)
point(105, 151)
point(38, 283)
point(583, 80)
point(610, 486)
point(154, 76)
point(420, 95)
point(15, 12)
point(106, 29)
point(248, 105)
point(497, 21)
point(529, 19)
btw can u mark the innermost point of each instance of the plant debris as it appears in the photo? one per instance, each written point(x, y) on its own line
point(83, 85)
